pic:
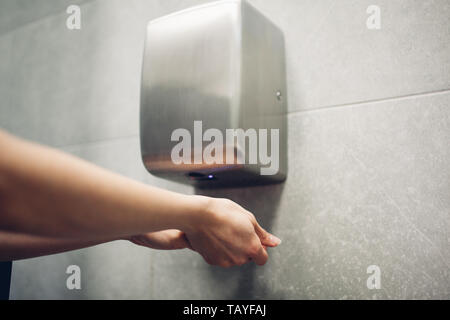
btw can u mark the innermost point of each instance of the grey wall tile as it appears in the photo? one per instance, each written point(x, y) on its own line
point(368, 185)
point(5, 78)
point(334, 59)
point(117, 270)
point(66, 80)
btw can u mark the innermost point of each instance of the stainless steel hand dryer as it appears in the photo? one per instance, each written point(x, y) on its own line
point(213, 99)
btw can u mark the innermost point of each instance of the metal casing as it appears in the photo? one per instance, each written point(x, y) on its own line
point(222, 63)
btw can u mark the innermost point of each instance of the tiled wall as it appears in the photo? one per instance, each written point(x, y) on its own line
point(369, 150)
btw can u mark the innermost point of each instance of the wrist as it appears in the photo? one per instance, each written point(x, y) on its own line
point(198, 210)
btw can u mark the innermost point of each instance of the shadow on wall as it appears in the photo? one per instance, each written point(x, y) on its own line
point(263, 202)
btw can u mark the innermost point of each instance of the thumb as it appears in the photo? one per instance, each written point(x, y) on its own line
point(267, 239)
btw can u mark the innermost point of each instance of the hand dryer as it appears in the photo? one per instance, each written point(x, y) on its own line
point(214, 97)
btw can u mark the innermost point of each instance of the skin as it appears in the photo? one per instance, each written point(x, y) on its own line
point(51, 202)
point(14, 246)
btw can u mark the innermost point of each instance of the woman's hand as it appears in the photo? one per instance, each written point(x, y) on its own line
point(227, 235)
point(221, 231)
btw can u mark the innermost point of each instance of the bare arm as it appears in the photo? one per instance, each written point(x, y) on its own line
point(15, 246)
point(46, 193)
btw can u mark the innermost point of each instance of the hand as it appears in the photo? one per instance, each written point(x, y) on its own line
point(164, 240)
point(227, 235)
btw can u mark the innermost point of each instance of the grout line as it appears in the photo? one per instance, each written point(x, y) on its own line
point(332, 107)
point(364, 102)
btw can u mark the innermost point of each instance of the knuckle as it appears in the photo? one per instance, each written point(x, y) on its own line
point(228, 203)
point(252, 218)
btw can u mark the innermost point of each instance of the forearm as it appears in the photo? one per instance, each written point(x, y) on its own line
point(48, 193)
point(14, 246)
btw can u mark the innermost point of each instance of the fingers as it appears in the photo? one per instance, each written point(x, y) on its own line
point(260, 257)
point(266, 238)
point(231, 236)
